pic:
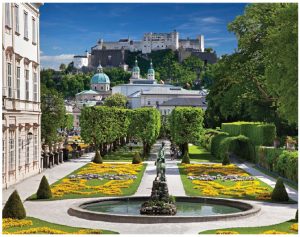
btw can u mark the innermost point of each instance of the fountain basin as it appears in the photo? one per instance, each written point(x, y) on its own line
point(189, 209)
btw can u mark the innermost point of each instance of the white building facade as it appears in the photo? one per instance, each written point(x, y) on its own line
point(21, 118)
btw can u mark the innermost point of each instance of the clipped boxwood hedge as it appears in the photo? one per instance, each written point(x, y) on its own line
point(258, 133)
point(240, 145)
point(287, 165)
point(267, 157)
point(206, 137)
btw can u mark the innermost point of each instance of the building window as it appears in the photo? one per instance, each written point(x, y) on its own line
point(26, 25)
point(12, 158)
point(33, 31)
point(149, 102)
point(35, 87)
point(17, 18)
point(18, 81)
point(20, 150)
point(27, 153)
point(9, 80)
point(7, 15)
point(35, 148)
point(3, 156)
point(27, 84)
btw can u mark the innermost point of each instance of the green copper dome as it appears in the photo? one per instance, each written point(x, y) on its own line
point(100, 77)
point(136, 67)
point(151, 70)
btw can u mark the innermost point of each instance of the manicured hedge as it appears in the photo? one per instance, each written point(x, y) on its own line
point(206, 138)
point(283, 162)
point(287, 165)
point(267, 157)
point(215, 142)
point(258, 133)
point(241, 146)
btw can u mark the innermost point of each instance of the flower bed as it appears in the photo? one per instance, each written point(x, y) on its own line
point(94, 180)
point(216, 180)
point(35, 226)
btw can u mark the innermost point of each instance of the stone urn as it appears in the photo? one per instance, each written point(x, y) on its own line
point(290, 143)
point(276, 142)
point(46, 148)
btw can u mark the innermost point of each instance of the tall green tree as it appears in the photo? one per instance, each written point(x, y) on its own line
point(53, 114)
point(281, 50)
point(186, 125)
point(116, 100)
point(145, 125)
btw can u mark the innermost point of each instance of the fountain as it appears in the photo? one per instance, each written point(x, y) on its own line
point(160, 202)
point(160, 206)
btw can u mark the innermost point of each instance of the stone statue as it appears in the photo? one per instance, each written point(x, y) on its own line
point(160, 164)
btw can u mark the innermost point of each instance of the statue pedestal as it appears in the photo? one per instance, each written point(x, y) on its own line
point(160, 202)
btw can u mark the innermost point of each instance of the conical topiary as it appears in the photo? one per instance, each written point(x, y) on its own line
point(98, 158)
point(186, 158)
point(136, 158)
point(14, 207)
point(226, 160)
point(44, 191)
point(296, 216)
point(279, 193)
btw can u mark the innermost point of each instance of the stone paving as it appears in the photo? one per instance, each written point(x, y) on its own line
point(270, 213)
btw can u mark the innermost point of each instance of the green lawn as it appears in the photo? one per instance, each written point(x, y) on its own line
point(282, 227)
point(40, 223)
point(123, 154)
point(191, 190)
point(200, 154)
point(95, 182)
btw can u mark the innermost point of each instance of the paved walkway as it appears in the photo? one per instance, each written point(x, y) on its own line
point(30, 185)
point(172, 173)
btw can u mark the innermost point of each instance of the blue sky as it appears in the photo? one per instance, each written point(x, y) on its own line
point(71, 28)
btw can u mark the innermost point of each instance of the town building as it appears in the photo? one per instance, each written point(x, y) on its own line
point(81, 60)
point(146, 92)
point(21, 110)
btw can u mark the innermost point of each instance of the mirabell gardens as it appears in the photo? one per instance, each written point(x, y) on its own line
point(226, 180)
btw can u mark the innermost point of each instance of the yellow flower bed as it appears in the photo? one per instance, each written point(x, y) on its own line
point(274, 232)
point(229, 188)
point(9, 222)
point(47, 230)
point(294, 227)
point(226, 232)
point(200, 169)
point(111, 187)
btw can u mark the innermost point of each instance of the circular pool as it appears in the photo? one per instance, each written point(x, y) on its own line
point(189, 209)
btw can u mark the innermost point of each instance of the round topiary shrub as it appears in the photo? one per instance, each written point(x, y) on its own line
point(186, 158)
point(97, 158)
point(279, 193)
point(44, 191)
point(226, 160)
point(136, 158)
point(14, 207)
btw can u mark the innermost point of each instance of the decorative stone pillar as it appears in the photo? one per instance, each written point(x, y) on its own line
point(60, 155)
point(46, 162)
point(55, 154)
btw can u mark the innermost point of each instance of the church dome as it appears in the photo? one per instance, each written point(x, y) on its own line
point(151, 70)
point(100, 77)
point(136, 67)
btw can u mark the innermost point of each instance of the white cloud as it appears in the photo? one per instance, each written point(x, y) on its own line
point(211, 20)
point(54, 61)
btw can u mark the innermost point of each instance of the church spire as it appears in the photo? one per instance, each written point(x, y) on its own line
point(100, 68)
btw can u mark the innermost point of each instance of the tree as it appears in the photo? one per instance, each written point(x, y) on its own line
point(62, 67)
point(145, 125)
point(279, 193)
point(281, 49)
point(68, 122)
point(186, 127)
point(53, 114)
point(44, 191)
point(116, 100)
point(110, 129)
point(14, 207)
